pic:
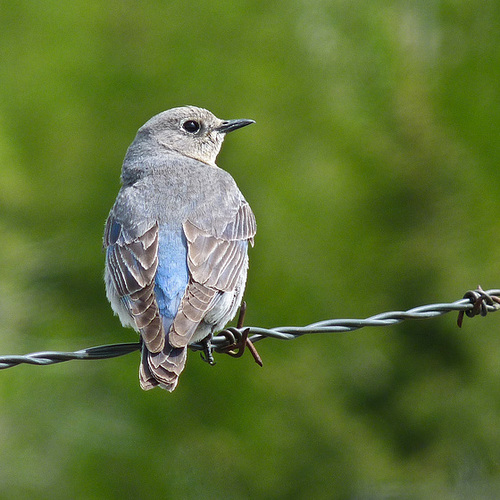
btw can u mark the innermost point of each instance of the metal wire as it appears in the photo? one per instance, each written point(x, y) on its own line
point(474, 302)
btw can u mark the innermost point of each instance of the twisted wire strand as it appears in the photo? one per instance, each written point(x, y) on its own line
point(474, 302)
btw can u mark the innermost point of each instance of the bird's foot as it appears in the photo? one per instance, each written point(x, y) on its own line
point(207, 353)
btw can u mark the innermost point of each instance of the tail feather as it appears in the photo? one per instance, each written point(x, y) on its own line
point(162, 368)
point(146, 378)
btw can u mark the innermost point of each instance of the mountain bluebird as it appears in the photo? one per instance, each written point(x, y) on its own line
point(176, 240)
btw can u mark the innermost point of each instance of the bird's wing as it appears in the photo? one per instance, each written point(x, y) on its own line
point(216, 260)
point(132, 261)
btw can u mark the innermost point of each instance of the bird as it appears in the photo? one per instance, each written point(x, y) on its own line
point(176, 240)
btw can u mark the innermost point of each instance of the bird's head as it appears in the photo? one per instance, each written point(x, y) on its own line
point(190, 131)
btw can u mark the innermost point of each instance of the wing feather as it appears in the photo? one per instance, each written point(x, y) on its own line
point(132, 262)
point(215, 264)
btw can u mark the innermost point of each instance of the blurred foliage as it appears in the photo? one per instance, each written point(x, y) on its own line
point(373, 173)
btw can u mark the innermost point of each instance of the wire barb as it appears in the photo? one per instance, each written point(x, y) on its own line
point(233, 340)
point(480, 301)
point(239, 335)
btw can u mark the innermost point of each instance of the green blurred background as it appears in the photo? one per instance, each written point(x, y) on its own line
point(373, 173)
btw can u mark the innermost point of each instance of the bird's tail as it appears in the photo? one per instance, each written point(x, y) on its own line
point(162, 368)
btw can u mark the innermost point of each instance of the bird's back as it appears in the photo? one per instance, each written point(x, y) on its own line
point(176, 188)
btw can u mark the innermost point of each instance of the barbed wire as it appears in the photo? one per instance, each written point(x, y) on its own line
point(232, 340)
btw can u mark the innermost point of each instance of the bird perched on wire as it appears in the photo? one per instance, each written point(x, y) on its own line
point(176, 240)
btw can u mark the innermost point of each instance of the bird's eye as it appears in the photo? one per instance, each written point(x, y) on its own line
point(191, 126)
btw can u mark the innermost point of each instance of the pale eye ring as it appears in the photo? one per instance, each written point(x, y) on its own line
point(191, 126)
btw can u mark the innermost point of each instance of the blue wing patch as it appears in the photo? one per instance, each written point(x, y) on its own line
point(172, 273)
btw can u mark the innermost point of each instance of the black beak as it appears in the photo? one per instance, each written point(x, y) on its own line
point(230, 125)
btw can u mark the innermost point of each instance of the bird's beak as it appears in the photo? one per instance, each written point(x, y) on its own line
point(230, 125)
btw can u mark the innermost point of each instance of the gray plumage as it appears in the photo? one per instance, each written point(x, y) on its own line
point(176, 239)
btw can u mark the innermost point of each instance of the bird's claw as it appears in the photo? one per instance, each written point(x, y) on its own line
point(207, 353)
